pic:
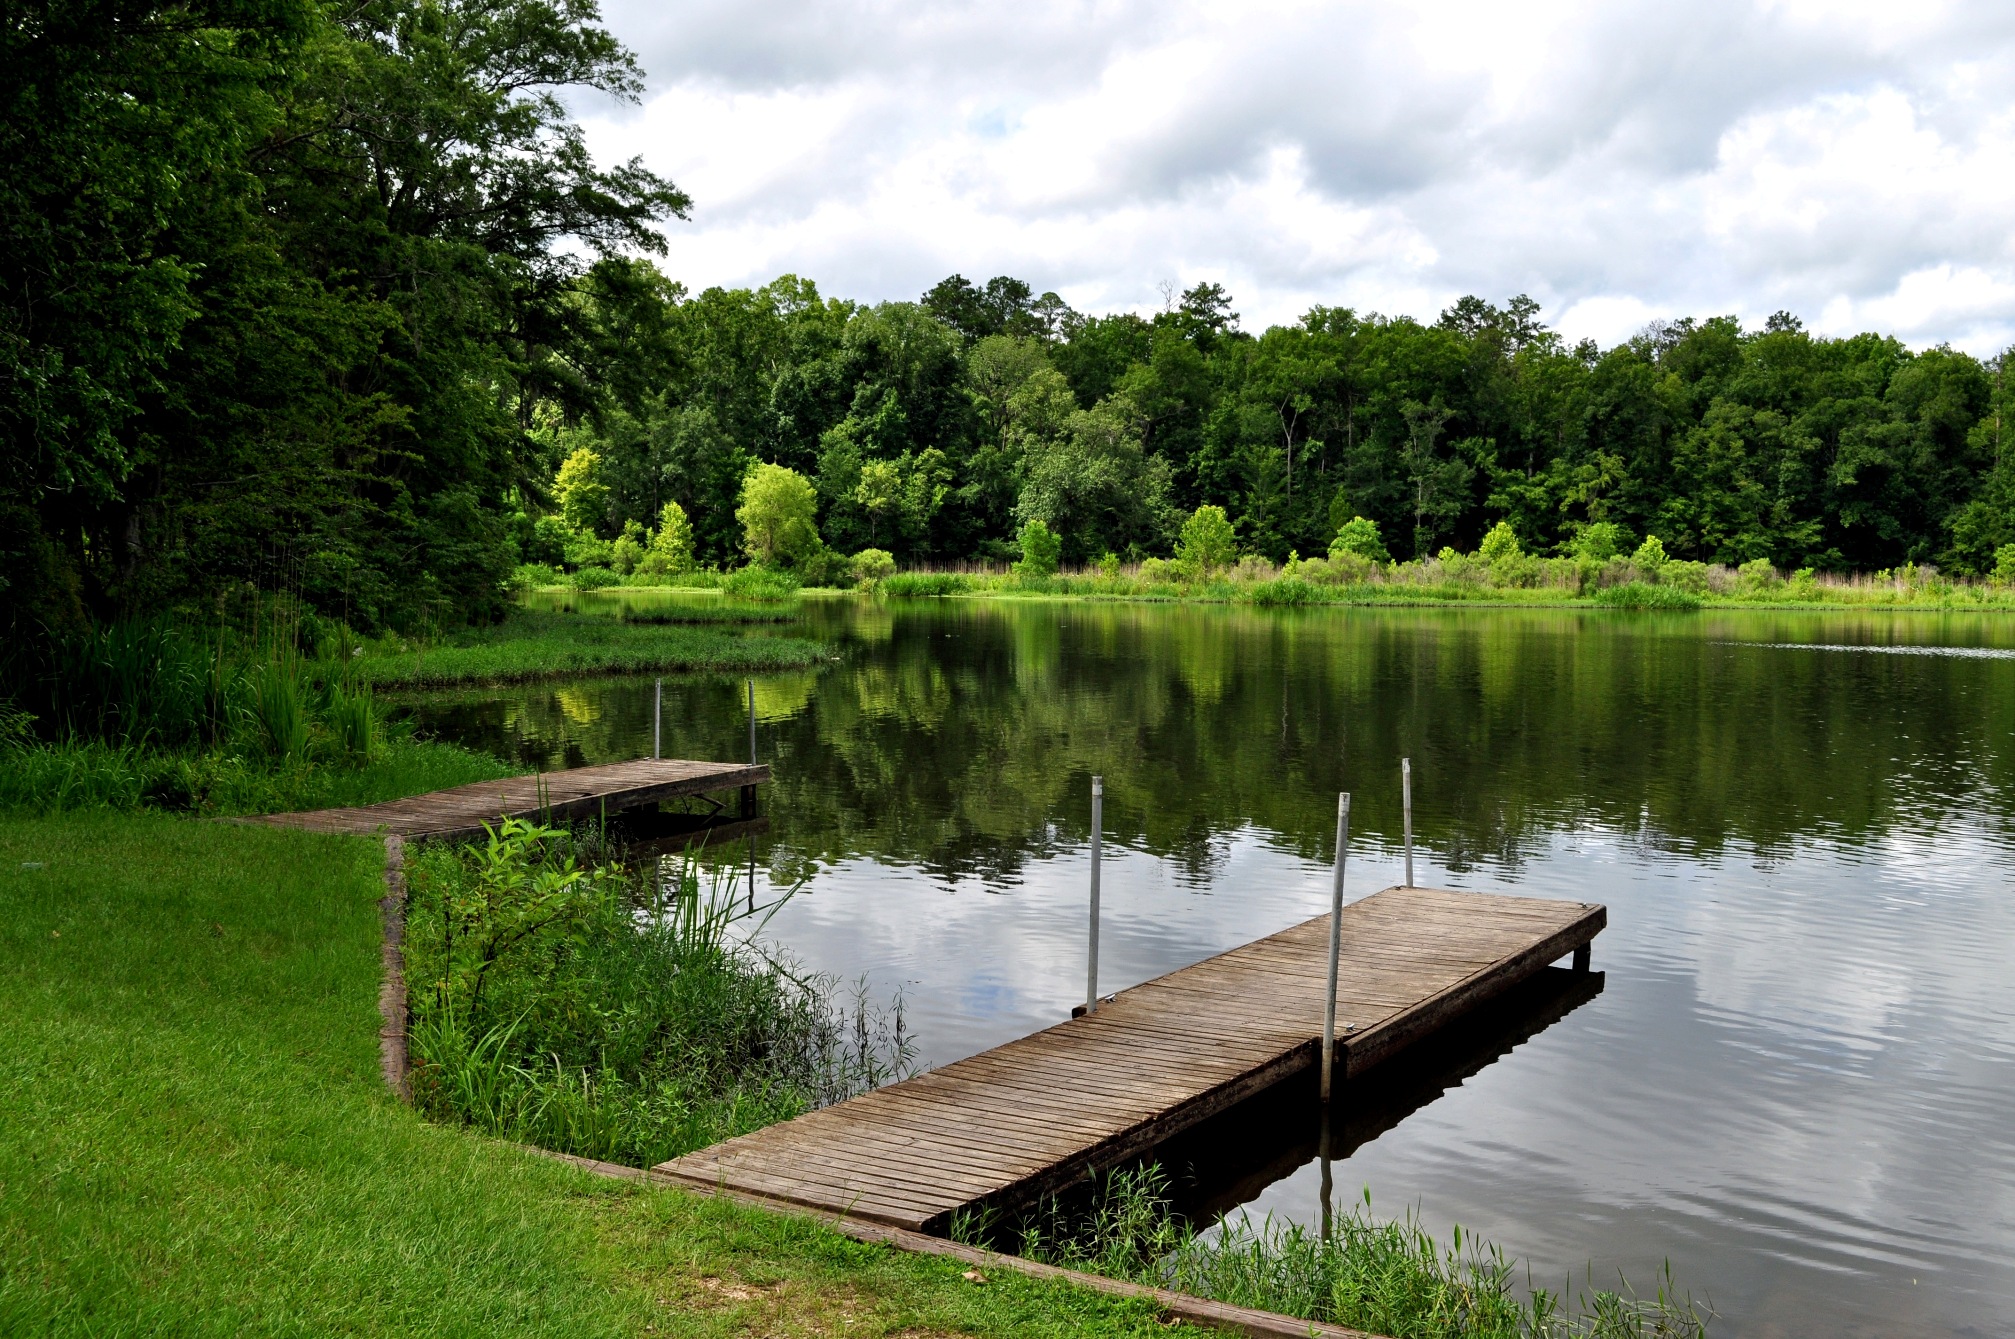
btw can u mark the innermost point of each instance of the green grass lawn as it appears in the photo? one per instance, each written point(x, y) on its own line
point(532, 644)
point(194, 1138)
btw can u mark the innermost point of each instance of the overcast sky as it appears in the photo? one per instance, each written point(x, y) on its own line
point(1852, 161)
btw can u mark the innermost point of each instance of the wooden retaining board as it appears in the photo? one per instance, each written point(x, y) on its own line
point(1001, 1128)
point(577, 792)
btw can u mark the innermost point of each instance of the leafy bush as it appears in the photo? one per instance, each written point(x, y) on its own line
point(1159, 570)
point(1598, 541)
point(1499, 544)
point(1756, 576)
point(1650, 555)
point(822, 566)
point(2004, 564)
point(587, 550)
point(1686, 576)
point(871, 567)
point(1040, 551)
point(628, 550)
point(672, 547)
point(1360, 537)
point(530, 576)
point(1207, 543)
point(1640, 595)
point(594, 578)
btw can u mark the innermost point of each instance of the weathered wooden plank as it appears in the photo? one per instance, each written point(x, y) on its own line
point(579, 792)
point(1026, 1118)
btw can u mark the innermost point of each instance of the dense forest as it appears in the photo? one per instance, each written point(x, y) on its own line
point(334, 297)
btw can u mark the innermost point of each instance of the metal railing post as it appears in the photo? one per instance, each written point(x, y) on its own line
point(1406, 806)
point(1091, 956)
point(1335, 943)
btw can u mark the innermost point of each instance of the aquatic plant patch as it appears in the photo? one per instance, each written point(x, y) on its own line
point(571, 1002)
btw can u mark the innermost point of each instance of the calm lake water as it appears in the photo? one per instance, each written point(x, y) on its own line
point(1797, 1081)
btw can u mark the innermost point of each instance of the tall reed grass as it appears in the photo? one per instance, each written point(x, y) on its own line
point(148, 712)
point(628, 1013)
point(1384, 1276)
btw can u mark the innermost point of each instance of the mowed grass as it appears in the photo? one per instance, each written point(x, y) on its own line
point(532, 644)
point(194, 1139)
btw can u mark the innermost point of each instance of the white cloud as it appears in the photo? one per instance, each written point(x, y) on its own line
point(1849, 162)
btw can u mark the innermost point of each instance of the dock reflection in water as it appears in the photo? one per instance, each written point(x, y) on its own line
point(1226, 1161)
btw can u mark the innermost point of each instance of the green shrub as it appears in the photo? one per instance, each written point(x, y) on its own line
point(1650, 555)
point(530, 576)
point(871, 567)
point(1687, 576)
point(628, 550)
point(672, 547)
point(1499, 544)
point(586, 550)
point(1640, 595)
point(1159, 570)
point(821, 566)
point(2004, 564)
point(1598, 541)
point(1207, 544)
point(1756, 576)
point(1040, 551)
point(1360, 537)
point(594, 578)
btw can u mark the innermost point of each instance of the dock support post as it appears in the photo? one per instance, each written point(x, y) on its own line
point(1335, 943)
point(1406, 808)
point(1091, 954)
point(1583, 957)
point(658, 720)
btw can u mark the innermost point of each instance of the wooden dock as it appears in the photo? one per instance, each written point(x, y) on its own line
point(577, 792)
point(1002, 1128)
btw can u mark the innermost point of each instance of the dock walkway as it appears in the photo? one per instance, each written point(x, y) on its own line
point(1009, 1125)
point(577, 792)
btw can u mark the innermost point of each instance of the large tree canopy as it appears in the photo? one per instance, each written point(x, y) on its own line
point(323, 296)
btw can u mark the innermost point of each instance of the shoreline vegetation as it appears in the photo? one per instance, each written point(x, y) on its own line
point(1639, 581)
point(1381, 1276)
point(272, 709)
point(195, 1138)
point(531, 644)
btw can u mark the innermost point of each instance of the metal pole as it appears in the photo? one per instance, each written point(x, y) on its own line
point(1335, 943)
point(658, 721)
point(1091, 957)
point(752, 722)
point(1406, 803)
point(1328, 1183)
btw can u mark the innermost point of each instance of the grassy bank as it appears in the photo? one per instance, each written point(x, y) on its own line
point(194, 1139)
point(1464, 579)
point(535, 644)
